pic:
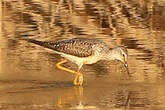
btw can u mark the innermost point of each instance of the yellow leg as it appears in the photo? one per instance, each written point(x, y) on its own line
point(59, 103)
point(79, 77)
point(63, 68)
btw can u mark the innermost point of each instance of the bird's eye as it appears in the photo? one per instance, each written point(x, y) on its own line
point(123, 55)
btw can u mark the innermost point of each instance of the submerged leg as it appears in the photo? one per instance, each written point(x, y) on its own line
point(79, 77)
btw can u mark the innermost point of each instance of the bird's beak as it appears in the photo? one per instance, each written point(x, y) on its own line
point(126, 66)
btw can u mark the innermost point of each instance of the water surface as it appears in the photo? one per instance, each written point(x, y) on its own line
point(29, 78)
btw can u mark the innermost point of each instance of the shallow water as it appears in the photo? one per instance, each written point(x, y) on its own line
point(36, 95)
point(29, 78)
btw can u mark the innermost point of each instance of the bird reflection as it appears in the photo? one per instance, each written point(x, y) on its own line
point(73, 99)
point(78, 94)
point(80, 106)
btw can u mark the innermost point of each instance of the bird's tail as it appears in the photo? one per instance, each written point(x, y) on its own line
point(41, 43)
point(49, 45)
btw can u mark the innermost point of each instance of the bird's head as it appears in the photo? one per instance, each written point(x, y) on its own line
point(120, 53)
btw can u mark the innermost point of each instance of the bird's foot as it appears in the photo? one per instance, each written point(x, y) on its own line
point(78, 81)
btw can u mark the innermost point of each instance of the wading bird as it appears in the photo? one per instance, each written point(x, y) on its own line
point(83, 51)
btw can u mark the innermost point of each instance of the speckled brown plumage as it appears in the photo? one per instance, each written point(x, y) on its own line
point(80, 47)
point(84, 51)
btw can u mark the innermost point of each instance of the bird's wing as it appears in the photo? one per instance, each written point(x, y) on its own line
point(76, 47)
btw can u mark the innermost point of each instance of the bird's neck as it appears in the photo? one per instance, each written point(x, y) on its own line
point(109, 55)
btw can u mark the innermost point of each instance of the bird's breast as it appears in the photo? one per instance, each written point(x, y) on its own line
point(91, 60)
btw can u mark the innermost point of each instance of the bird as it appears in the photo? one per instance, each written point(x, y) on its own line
point(83, 51)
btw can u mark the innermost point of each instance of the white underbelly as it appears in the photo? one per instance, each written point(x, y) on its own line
point(81, 60)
